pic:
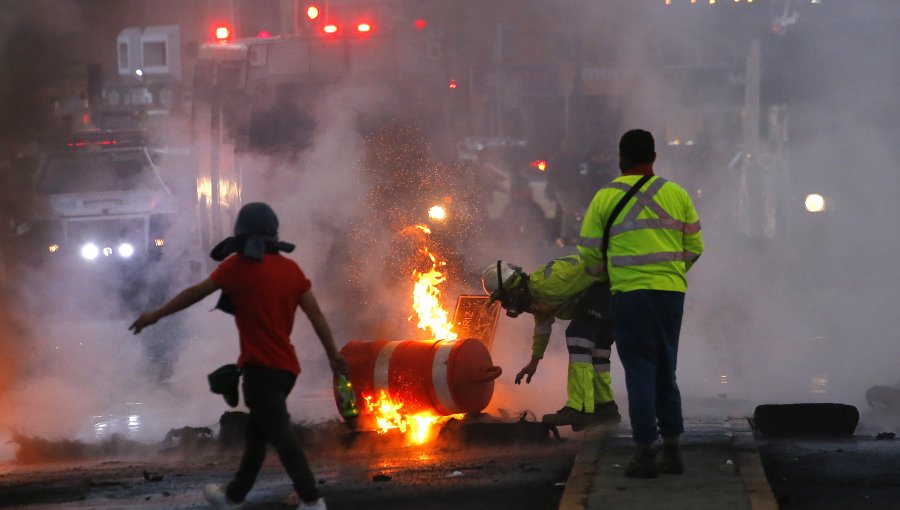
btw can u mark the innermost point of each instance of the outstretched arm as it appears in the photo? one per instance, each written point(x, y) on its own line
point(543, 327)
point(184, 299)
point(310, 307)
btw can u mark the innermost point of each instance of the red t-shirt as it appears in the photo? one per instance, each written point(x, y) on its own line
point(265, 295)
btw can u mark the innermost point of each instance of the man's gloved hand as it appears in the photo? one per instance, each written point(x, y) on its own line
point(528, 371)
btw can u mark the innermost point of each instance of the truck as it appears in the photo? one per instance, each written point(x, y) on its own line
point(101, 216)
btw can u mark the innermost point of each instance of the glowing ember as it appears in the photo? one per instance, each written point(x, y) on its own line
point(437, 213)
point(417, 427)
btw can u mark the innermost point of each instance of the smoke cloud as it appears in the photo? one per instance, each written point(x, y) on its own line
point(784, 305)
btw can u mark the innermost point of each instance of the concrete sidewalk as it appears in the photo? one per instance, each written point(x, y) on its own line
point(722, 472)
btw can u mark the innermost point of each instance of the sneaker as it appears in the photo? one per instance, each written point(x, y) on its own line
point(606, 413)
point(318, 504)
point(568, 416)
point(670, 461)
point(216, 497)
point(642, 465)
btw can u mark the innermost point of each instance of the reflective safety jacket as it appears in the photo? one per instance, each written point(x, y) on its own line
point(654, 240)
point(555, 289)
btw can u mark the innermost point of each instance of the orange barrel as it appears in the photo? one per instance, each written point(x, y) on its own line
point(443, 376)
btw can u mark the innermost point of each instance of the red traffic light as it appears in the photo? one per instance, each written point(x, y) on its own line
point(222, 33)
point(312, 12)
point(540, 164)
point(420, 24)
point(453, 84)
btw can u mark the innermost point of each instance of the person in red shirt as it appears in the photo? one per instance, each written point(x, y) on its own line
point(262, 289)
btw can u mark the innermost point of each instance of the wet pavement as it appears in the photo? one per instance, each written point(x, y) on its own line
point(722, 471)
point(729, 466)
point(373, 472)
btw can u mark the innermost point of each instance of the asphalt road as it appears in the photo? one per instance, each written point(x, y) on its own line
point(856, 473)
point(369, 472)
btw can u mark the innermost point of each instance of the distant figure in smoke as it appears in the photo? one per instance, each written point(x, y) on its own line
point(645, 244)
point(562, 289)
point(262, 289)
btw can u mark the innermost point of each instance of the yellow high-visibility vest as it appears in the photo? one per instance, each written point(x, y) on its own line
point(555, 289)
point(652, 243)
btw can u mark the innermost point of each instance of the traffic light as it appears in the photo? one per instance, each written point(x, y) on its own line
point(222, 33)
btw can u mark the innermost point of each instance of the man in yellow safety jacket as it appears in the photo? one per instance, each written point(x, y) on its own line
point(653, 240)
point(562, 289)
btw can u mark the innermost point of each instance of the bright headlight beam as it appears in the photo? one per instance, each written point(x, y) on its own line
point(90, 251)
point(814, 203)
point(126, 250)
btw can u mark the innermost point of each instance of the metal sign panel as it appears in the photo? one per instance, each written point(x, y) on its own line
point(473, 318)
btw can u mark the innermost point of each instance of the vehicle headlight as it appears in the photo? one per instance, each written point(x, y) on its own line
point(126, 250)
point(90, 251)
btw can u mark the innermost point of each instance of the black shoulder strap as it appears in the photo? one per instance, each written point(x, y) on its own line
point(618, 209)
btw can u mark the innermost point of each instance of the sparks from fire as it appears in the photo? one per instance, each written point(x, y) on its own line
point(434, 318)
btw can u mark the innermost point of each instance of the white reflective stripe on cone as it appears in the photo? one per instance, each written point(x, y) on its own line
point(380, 374)
point(439, 380)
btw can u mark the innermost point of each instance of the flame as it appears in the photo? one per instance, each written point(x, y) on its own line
point(419, 428)
point(427, 298)
point(388, 415)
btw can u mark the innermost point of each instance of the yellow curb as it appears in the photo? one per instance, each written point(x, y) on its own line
point(756, 485)
point(578, 486)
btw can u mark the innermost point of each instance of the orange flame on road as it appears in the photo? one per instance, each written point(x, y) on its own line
point(417, 427)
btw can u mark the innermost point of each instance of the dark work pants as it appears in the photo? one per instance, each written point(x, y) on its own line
point(265, 393)
point(647, 324)
point(593, 322)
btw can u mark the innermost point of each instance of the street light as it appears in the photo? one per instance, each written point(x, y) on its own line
point(814, 203)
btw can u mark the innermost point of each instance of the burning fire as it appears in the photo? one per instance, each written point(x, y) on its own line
point(427, 300)
point(417, 427)
point(434, 318)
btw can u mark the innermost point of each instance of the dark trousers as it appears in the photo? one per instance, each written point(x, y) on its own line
point(647, 324)
point(592, 322)
point(265, 393)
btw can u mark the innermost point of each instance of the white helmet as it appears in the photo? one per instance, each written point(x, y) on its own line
point(499, 277)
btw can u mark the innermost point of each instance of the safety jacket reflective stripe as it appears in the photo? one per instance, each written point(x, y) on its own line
point(631, 222)
point(555, 289)
point(580, 350)
point(654, 240)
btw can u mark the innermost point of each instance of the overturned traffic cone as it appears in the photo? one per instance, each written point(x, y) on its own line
point(805, 420)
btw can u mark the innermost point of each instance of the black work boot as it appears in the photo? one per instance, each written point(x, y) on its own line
point(643, 464)
point(568, 416)
point(606, 413)
point(670, 462)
